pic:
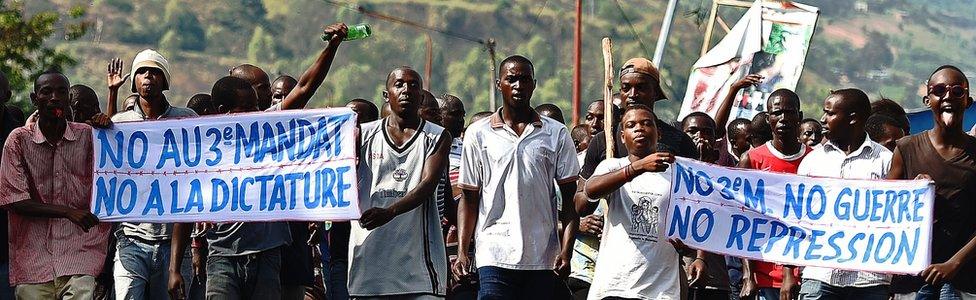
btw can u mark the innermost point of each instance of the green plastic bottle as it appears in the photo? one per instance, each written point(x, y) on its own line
point(356, 32)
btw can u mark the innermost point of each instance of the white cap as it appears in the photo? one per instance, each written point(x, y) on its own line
point(149, 58)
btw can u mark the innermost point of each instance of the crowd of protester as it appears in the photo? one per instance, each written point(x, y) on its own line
point(513, 204)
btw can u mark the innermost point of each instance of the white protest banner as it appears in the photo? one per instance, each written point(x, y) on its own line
point(268, 166)
point(771, 40)
point(865, 225)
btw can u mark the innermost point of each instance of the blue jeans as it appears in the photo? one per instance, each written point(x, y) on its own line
point(942, 292)
point(335, 264)
point(767, 294)
point(252, 276)
point(816, 290)
point(194, 286)
point(734, 265)
point(6, 291)
point(141, 269)
point(500, 283)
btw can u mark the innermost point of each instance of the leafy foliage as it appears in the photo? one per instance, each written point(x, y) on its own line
point(22, 49)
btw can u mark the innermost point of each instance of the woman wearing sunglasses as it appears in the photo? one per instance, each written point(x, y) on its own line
point(946, 155)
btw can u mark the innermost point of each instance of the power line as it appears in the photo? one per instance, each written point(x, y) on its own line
point(537, 16)
point(377, 15)
point(632, 28)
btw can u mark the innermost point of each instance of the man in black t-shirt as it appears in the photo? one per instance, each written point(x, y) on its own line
point(639, 84)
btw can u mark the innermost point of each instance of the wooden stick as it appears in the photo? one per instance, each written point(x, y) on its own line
point(708, 29)
point(608, 96)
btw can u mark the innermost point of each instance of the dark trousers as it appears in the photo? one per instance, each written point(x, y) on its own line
point(707, 294)
point(500, 283)
point(579, 288)
point(812, 289)
point(253, 276)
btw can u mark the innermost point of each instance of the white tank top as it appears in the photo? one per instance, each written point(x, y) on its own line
point(406, 255)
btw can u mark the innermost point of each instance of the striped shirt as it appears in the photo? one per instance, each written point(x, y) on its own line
point(42, 249)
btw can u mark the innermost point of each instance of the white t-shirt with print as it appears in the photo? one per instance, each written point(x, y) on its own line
point(636, 260)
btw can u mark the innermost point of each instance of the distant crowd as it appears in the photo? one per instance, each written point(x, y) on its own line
point(512, 204)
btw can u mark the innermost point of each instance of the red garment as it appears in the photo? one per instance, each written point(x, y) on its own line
point(42, 249)
point(767, 158)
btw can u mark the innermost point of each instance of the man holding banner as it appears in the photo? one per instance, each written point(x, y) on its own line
point(946, 155)
point(141, 245)
point(245, 257)
point(635, 261)
point(783, 154)
point(397, 247)
point(848, 153)
point(57, 246)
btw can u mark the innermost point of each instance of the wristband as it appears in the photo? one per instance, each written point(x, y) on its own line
point(630, 172)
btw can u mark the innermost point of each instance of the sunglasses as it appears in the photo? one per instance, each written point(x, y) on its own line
point(943, 90)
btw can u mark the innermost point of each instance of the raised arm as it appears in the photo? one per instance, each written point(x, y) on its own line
point(115, 81)
point(429, 178)
point(722, 117)
point(310, 81)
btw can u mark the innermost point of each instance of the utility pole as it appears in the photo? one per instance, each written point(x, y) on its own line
point(491, 69)
point(662, 38)
point(577, 45)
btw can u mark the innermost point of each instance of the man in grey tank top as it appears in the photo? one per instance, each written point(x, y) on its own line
point(396, 248)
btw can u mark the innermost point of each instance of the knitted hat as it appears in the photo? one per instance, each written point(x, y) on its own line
point(150, 59)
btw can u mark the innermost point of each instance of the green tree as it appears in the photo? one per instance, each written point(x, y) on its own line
point(145, 25)
point(22, 47)
point(261, 48)
point(238, 15)
point(170, 44)
point(179, 17)
point(471, 81)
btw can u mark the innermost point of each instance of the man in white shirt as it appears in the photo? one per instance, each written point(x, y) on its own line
point(636, 260)
point(848, 153)
point(508, 163)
